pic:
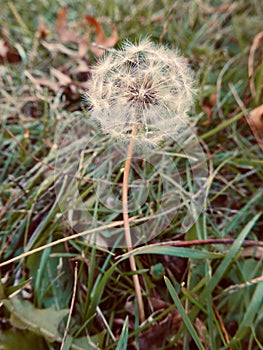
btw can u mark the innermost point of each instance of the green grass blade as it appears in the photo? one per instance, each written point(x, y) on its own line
point(252, 310)
point(95, 300)
point(228, 258)
point(182, 312)
point(173, 251)
point(221, 126)
point(122, 343)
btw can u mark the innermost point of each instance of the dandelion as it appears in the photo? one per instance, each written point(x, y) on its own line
point(145, 85)
point(139, 93)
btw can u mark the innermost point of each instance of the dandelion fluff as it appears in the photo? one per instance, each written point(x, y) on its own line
point(143, 84)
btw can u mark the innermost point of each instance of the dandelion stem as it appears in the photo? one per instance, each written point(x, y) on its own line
point(127, 231)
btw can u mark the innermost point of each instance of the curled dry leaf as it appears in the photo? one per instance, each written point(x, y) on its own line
point(7, 53)
point(100, 38)
point(256, 116)
point(255, 121)
point(65, 35)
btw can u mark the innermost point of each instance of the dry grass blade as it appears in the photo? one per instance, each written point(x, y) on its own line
point(62, 240)
point(71, 306)
point(258, 40)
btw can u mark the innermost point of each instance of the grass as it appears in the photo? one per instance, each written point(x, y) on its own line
point(199, 296)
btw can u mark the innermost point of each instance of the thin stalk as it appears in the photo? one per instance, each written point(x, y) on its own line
point(127, 231)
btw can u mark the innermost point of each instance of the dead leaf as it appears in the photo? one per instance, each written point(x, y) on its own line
point(257, 43)
point(256, 116)
point(255, 121)
point(32, 109)
point(102, 42)
point(208, 107)
point(7, 53)
point(252, 252)
point(175, 265)
point(155, 336)
point(62, 27)
point(42, 30)
point(61, 23)
point(158, 303)
point(83, 73)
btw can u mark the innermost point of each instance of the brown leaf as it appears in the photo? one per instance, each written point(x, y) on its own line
point(32, 108)
point(158, 303)
point(256, 116)
point(208, 107)
point(175, 265)
point(61, 23)
point(252, 252)
point(155, 336)
point(42, 30)
point(101, 42)
point(8, 53)
point(83, 73)
point(100, 39)
point(255, 121)
point(61, 27)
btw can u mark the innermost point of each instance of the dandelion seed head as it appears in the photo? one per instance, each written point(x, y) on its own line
point(143, 84)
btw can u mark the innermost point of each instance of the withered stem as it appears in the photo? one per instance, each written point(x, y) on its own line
point(127, 231)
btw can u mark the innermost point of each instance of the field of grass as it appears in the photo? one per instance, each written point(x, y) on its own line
point(59, 174)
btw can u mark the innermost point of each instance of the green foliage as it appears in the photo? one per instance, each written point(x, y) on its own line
point(122, 343)
point(185, 317)
point(42, 322)
point(16, 339)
